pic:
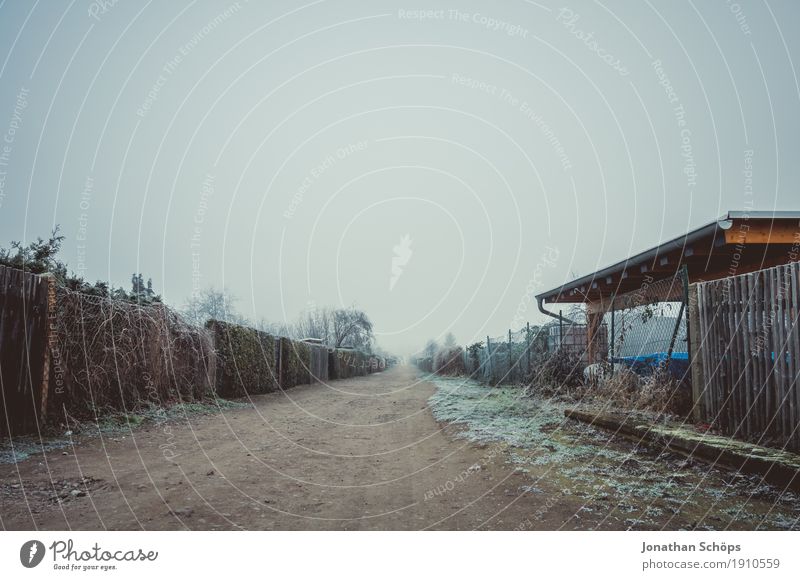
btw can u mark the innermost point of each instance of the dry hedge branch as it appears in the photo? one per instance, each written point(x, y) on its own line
point(118, 355)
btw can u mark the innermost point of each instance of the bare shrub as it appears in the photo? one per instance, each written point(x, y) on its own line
point(623, 389)
point(449, 361)
point(114, 355)
point(425, 364)
point(558, 371)
point(658, 392)
point(561, 373)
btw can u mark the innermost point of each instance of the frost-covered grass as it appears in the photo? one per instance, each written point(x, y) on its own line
point(111, 423)
point(617, 480)
point(497, 414)
point(21, 448)
point(506, 414)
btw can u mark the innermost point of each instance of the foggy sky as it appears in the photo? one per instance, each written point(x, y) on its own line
point(289, 152)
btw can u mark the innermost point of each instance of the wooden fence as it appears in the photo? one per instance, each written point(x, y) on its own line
point(318, 364)
point(24, 359)
point(748, 355)
point(70, 356)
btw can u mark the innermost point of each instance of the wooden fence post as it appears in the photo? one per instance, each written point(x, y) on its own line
point(594, 320)
point(51, 341)
point(280, 362)
point(696, 355)
point(613, 333)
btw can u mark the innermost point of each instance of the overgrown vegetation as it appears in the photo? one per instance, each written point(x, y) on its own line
point(561, 374)
point(296, 362)
point(528, 360)
point(658, 392)
point(474, 356)
point(557, 371)
point(449, 361)
point(116, 355)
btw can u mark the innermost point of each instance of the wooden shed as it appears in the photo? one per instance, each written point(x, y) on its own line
point(737, 243)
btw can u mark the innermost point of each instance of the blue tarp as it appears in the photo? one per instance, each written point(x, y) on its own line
point(646, 364)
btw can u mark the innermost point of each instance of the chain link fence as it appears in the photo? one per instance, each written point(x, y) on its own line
point(509, 358)
point(513, 358)
point(647, 329)
point(644, 331)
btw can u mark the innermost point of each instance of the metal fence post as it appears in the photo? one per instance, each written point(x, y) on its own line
point(510, 360)
point(489, 359)
point(528, 344)
point(685, 276)
point(613, 333)
point(681, 312)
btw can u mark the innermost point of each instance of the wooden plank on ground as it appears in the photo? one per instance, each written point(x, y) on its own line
point(775, 466)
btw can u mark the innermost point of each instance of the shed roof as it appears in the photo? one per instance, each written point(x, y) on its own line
point(736, 243)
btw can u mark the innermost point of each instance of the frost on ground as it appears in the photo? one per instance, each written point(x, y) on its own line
point(620, 484)
point(111, 424)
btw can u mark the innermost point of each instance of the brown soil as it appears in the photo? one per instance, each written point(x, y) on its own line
point(363, 453)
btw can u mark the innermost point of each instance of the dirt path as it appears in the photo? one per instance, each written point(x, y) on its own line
point(363, 453)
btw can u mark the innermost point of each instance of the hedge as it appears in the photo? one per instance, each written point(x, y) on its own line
point(112, 355)
point(346, 363)
point(245, 360)
point(295, 363)
point(254, 362)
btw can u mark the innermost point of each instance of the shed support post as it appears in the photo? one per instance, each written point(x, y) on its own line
point(593, 320)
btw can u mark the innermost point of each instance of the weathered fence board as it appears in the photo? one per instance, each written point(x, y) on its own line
point(23, 349)
point(318, 365)
point(750, 355)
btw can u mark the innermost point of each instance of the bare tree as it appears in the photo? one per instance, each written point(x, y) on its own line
point(449, 340)
point(576, 313)
point(212, 304)
point(352, 327)
point(431, 348)
point(316, 323)
point(341, 327)
point(276, 328)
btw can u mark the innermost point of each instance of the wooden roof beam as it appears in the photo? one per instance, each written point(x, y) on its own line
point(745, 231)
